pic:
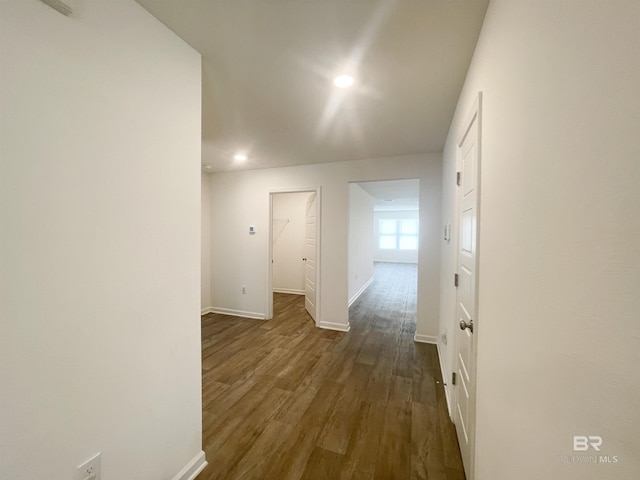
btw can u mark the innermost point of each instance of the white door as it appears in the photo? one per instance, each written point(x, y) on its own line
point(466, 319)
point(310, 256)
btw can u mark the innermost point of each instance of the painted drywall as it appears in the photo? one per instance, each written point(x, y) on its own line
point(288, 242)
point(558, 332)
point(360, 241)
point(205, 247)
point(393, 256)
point(241, 259)
point(100, 250)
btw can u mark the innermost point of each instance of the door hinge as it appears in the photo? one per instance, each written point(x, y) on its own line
point(455, 279)
point(453, 378)
point(458, 175)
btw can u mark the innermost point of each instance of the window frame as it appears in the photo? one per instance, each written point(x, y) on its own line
point(397, 233)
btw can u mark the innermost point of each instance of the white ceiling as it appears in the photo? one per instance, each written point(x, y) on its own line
point(390, 195)
point(268, 67)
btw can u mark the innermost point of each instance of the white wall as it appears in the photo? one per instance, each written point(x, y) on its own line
point(393, 256)
point(100, 243)
point(241, 259)
point(205, 255)
point(288, 246)
point(558, 331)
point(360, 241)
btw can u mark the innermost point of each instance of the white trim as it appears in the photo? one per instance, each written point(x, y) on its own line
point(471, 116)
point(206, 310)
point(238, 313)
point(340, 327)
point(445, 380)
point(193, 468)
point(360, 292)
point(289, 291)
point(425, 339)
point(293, 189)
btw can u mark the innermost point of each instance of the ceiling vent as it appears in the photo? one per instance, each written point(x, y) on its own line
point(60, 6)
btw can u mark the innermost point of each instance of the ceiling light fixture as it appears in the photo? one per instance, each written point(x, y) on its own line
point(343, 81)
point(241, 157)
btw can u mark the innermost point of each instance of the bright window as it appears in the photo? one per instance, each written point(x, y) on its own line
point(398, 234)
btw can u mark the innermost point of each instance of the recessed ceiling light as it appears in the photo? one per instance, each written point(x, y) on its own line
point(343, 81)
point(241, 157)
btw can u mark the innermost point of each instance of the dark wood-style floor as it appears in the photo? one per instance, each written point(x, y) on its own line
point(285, 400)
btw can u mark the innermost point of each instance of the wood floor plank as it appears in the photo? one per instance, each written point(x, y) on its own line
point(342, 369)
point(339, 427)
point(323, 464)
point(292, 459)
point(377, 390)
point(404, 358)
point(239, 437)
point(225, 425)
point(297, 406)
point(394, 454)
point(212, 391)
point(320, 371)
point(283, 399)
point(400, 392)
point(427, 455)
point(228, 395)
point(252, 464)
point(362, 452)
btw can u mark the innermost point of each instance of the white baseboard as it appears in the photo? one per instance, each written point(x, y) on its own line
point(237, 313)
point(193, 468)
point(445, 380)
point(206, 310)
point(290, 291)
point(360, 292)
point(340, 327)
point(425, 339)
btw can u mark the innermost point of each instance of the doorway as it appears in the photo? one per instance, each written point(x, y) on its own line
point(294, 247)
point(383, 230)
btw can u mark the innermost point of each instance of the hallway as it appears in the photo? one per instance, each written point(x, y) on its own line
point(285, 400)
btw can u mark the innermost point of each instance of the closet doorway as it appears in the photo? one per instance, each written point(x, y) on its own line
point(294, 247)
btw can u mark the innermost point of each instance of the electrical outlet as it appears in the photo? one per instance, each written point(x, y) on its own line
point(89, 470)
point(244, 289)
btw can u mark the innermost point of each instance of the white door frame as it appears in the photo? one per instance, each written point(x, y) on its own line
point(269, 293)
point(473, 114)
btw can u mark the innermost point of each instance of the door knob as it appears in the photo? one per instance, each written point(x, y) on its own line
point(464, 325)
